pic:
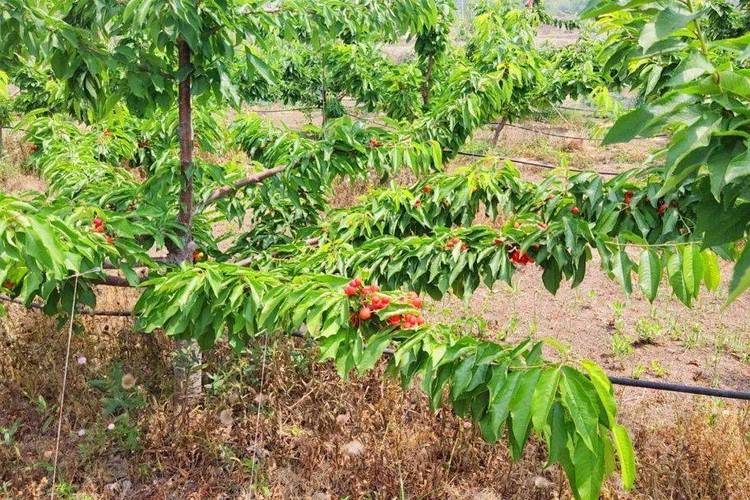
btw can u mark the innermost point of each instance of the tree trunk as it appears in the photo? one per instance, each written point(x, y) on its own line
point(498, 129)
point(185, 215)
point(2, 151)
point(324, 95)
point(427, 83)
point(188, 360)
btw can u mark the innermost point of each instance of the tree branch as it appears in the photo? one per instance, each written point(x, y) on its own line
point(112, 281)
point(229, 190)
point(85, 312)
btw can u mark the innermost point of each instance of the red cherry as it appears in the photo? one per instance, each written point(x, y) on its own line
point(365, 313)
point(426, 188)
point(498, 241)
point(394, 320)
point(99, 229)
point(418, 203)
point(97, 221)
point(420, 320)
point(356, 283)
point(575, 210)
point(350, 290)
point(110, 239)
point(8, 284)
point(417, 302)
point(628, 197)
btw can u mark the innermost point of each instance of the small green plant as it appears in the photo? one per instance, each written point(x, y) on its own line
point(46, 411)
point(622, 345)
point(9, 433)
point(638, 371)
point(120, 393)
point(64, 489)
point(657, 369)
point(648, 330)
point(619, 321)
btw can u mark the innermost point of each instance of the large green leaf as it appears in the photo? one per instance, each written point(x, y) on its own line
point(625, 452)
point(649, 274)
point(692, 269)
point(741, 277)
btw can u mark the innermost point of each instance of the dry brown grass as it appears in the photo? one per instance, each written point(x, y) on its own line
point(317, 434)
point(14, 176)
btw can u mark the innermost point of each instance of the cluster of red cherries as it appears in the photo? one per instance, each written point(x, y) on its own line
point(455, 241)
point(97, 225)
point(516, 255)
point(371, 300)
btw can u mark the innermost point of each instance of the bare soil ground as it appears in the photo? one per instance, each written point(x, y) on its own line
point(321, 437)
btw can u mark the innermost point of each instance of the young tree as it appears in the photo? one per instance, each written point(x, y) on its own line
point(323, 274)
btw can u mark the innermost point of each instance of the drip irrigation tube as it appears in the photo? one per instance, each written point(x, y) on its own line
point(533, 163)
point(685, 389)
point(283, 110)
point(551, 134)
point(645, 384)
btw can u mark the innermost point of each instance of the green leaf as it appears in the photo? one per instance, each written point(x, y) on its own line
point(649, 274)
point(544, 396)
point(738, 167)
point(520, 409)
point(577, 399)
point(674, 271)
point(691, 68)
point(711, 271)
point(622, 268)
point(603, 388)
point(499, 407)
point(741, 277)
point(692, 269)
point(626, 455)
point(552, 277)
point(669, 20)
point(628, 126)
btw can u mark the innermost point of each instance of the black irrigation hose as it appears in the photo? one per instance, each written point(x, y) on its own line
point(533, 163)
point(685, 389)
point(311, 108)
point(646, 384)
point(573, 108)
point(592, 139)
point(551, 134)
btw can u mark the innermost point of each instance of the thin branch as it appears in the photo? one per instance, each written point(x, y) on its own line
point(229, 190)
point(109, 280)
point(85, 312)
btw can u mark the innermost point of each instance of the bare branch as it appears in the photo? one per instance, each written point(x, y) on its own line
point(110, 280)
point(253, 179)
point(83, 311)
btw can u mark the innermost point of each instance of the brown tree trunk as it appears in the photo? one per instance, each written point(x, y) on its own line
point(188, 359)
point(185, 215)
point(427, 83)
point(498, 129)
